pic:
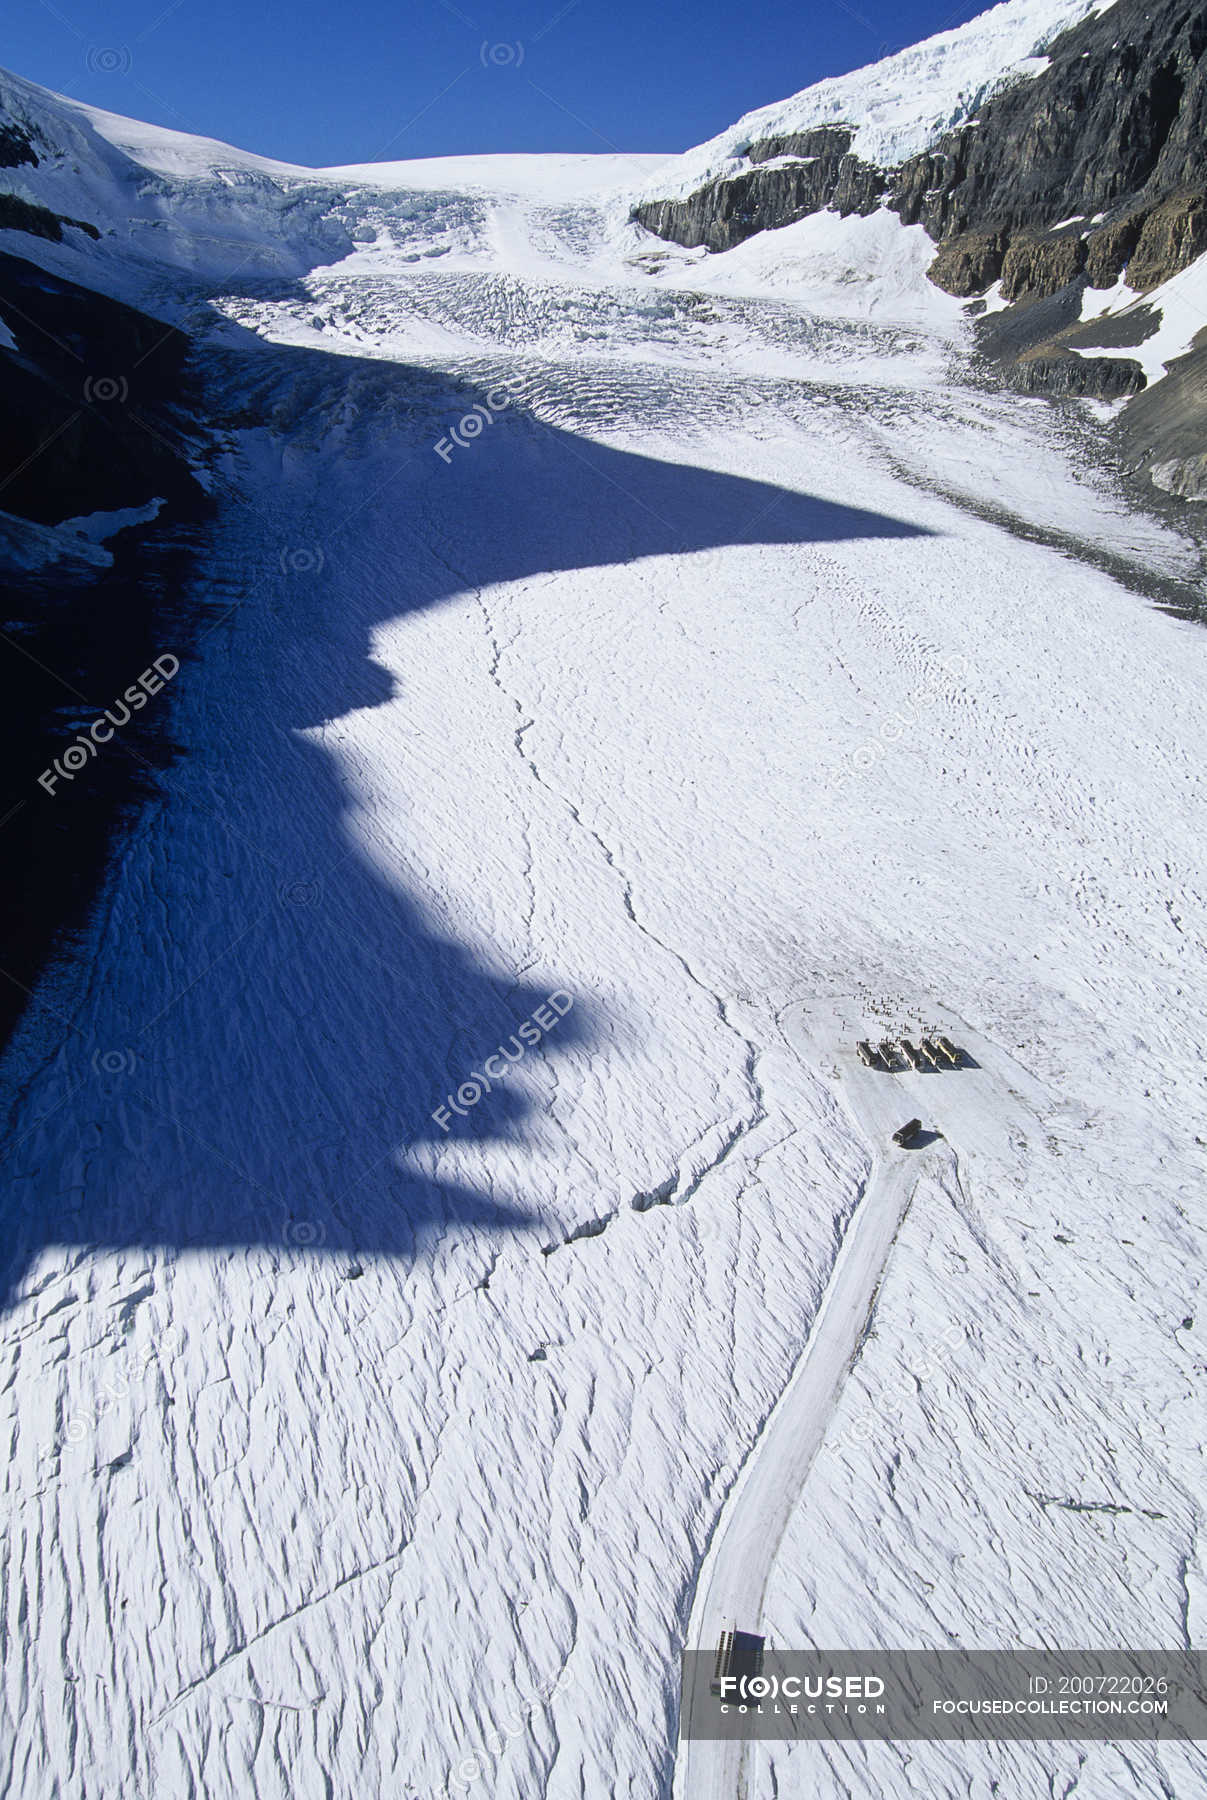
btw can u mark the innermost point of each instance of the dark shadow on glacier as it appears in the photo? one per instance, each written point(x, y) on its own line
point(310, 1012)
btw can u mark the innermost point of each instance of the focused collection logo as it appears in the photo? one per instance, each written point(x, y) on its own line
point(753, 1690)
point(525, 1037)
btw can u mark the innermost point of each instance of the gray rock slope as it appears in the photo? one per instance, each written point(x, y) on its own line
point(1093, 169)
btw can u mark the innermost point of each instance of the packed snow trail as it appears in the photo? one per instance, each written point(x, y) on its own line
point(349, 1454)
point(978, 1097)
point(740, 1561)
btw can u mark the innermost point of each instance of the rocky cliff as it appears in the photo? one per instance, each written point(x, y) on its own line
point(1095, 165)
point(94, 418)
point(790, 177)
point(1092, 169)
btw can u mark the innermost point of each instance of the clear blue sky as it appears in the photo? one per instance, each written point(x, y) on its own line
point(315, 82)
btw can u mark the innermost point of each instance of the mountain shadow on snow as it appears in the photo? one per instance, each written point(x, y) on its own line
point(302, 1011)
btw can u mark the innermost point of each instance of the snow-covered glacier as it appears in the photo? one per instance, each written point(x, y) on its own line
point(628, 678)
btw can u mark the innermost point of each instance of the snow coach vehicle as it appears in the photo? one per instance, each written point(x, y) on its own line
point(867, 1054)
point(907, 1133)
point(739, 1656)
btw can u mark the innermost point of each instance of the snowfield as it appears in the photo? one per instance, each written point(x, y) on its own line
point(383, 1383)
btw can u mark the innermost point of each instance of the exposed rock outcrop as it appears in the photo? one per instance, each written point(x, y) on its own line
point(1172, 236)
point(730, 211)
point(1038, 264)
point(1091, 170)
point(1117, 117)
point(1185, 477)
point(93, 403)
point(1096, 377)
point(1111, 135)
point(16, 147)
point(1108, 250)
point(969, 263)
point(829, 143)
point(83, 425)
point(22, 215)
point(1161, 433)
point(790, 177)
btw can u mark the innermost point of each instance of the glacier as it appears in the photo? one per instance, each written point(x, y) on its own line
point(751, 673)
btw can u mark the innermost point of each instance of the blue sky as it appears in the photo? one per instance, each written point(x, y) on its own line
point(314, 82)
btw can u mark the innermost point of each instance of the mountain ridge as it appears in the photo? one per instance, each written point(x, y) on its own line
point(1081, 175)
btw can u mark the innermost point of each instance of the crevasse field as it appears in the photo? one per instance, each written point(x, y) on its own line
point(704, 643)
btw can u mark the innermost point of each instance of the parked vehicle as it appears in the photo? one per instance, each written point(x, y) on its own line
point(949, 1050)
point(888, 1053)
point(912, 1056)
point(739, 1656)
point(867, 1054)
point(907, 1133)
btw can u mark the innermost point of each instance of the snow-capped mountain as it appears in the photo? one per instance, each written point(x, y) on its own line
point(1055, 158)
point(455, 1256)
point(899, 107)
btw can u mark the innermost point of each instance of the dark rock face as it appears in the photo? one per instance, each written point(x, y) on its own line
point(16, 147)
point(82, 401)
point(1172, 236)
point(22, 215)
point(1116, 125)
point(969, 263)
point(1094, 169)
point(1163, 433)
point(733, 210)
point(1046, 349)
point(1109, 250)
point(828, 142)
point(1034, 264)
point(820, 173)
point(1118, 116)
point(861, 187)
point(1031, 325)
point(1096, 377)
point(93, 411)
